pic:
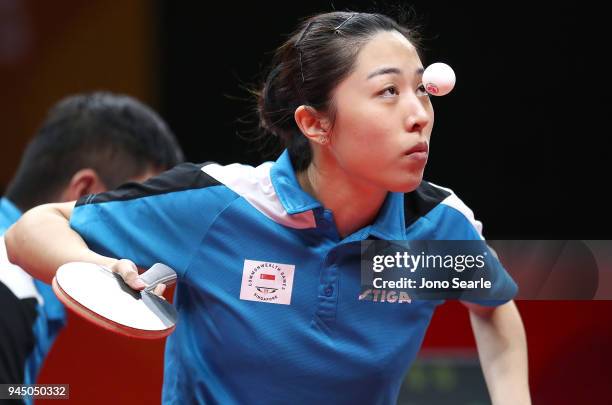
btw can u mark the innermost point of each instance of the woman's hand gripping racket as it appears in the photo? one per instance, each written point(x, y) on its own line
point(102, 297)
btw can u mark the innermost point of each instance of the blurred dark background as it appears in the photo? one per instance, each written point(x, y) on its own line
point(523, 140)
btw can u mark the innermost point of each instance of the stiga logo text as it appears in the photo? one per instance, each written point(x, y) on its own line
point(391, 296)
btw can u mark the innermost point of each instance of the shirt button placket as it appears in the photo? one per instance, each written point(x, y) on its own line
point(326, 312)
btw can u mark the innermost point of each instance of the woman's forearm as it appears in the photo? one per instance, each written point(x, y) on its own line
point(502, 348)
point(42, 240)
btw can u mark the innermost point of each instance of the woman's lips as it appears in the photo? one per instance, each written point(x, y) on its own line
point(417, 155)
point(418, 152)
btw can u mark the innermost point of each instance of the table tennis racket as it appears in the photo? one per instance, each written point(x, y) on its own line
point(103, 298)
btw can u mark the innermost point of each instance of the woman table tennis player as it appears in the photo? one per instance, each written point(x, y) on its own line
point(268, 256)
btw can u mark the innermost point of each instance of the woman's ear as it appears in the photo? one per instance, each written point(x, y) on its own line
point(313, 125)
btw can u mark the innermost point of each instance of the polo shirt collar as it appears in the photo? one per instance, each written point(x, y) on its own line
point(288, 189)
point(389, 224)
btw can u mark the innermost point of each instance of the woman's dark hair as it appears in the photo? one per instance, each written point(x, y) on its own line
point(309, 65)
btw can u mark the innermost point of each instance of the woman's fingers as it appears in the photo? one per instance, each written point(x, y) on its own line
point(159, 290)
point(128, 271)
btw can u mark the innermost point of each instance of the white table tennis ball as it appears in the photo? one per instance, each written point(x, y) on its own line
point(439, 79)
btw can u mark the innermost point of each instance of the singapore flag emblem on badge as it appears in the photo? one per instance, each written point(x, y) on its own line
point(267, 282)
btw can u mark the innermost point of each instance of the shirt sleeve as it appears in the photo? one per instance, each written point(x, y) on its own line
point(161, 220)
point(462, 225)
point(503, 287)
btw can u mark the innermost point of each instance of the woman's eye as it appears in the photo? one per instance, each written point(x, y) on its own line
point(421, 91)
point(390, 91)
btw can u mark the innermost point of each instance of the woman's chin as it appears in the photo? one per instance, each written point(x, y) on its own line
point(407, 186)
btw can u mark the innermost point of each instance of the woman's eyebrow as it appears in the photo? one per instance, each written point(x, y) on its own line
point(392, 70)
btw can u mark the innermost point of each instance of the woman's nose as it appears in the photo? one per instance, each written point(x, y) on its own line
point(419, 115)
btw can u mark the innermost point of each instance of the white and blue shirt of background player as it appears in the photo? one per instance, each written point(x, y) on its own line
point(31, 317)
point(268, 292)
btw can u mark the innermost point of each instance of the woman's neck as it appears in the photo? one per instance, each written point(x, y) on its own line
point(353, 205)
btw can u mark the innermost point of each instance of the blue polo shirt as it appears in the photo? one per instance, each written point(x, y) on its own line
point(50, 318)
point(9, 214)
point(268, 291)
